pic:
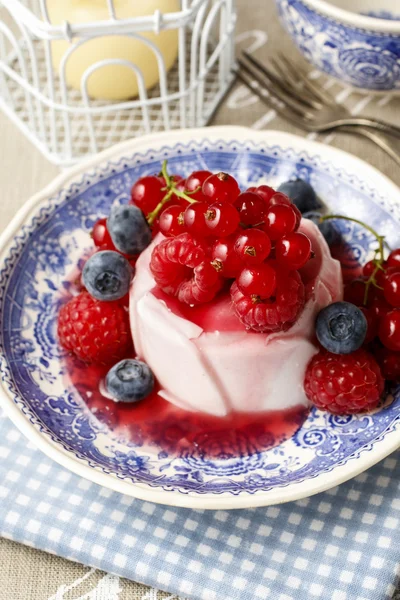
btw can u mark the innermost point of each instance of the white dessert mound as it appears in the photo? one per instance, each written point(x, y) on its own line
point(220, 371)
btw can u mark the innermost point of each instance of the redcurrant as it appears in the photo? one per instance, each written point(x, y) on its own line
point(181, 185)
point(171, 221)
point(251, 208)
point(194, 182)
point(221, 187)
point(177, 200)
point(279, 198)
point(224, 258)
point(381, 274)
point(379, 306)
point(391, 288)
point(147, 193)
point(369, 268)
point(195, 219)
point(222, 219)
point(253, 246)
point(279, 220)
point(389, 362)
point(258, 281)
point(354, 292)
point(293, 250)
point(176, 179)
point(265, 192)
point(389, 330)
point(394, 258)
point(372, 324)
point(101, 237)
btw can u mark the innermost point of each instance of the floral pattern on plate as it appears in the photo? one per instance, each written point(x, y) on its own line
point(52, 242)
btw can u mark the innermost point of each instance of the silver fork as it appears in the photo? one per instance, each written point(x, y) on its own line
point(330, 114)
point(291, 93)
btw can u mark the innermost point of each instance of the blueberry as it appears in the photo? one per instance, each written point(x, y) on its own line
point(301, 193)
point(129, 381)
point(128, 229)
point(341, 328)
point(327, 228)
point(107, 275)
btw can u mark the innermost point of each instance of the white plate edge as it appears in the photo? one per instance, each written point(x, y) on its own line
point(172, 498)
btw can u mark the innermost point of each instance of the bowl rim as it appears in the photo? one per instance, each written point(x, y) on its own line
point(352, 18)
point(309, 487)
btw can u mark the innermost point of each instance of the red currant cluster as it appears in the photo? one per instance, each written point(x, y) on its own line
point(377, 293)
point(216, 234)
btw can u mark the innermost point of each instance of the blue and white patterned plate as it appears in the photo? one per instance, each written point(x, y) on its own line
point(44, 244)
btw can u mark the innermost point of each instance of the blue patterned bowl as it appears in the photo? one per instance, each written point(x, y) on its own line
point(360, 48)
point(46, 241)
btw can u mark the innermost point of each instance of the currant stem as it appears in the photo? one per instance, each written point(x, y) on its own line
point(379, 238)
point(379, 252)
point(171, 191)
point(165, 174)
point(152, 216)
point(183, 195)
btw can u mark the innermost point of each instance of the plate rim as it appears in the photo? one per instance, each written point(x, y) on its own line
point(294, 491)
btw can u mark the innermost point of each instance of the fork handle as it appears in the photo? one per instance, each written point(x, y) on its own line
point(377, 138)
point(381, 126)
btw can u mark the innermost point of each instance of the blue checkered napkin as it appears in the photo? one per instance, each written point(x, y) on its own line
point(340, 545)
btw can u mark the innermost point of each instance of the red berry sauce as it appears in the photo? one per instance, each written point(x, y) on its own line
point(158, 424)
point(154, 422)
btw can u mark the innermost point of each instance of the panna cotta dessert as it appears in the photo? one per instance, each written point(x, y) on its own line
point(204, 357)
point(228, 303)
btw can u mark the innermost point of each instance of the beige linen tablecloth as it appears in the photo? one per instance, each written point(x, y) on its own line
point(25, 573)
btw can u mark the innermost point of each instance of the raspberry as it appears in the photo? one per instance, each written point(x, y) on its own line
point(95, 331)
point(274, 314)
point(180, 268)
point(344, 384)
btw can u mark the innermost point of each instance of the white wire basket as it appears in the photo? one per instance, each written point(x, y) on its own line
point(67, 124)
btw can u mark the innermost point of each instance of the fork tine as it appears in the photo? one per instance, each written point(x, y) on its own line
point(295, 85)
point(266, 86)
point(318, 92)
point(276, 89)
point(270, 75)
point(258, 88)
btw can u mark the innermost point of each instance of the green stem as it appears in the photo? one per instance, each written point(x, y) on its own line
point(380, 238)
point(183, 195)
point(171, 190)
point(152, 216)
point(165, 174)
point(379, 252)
